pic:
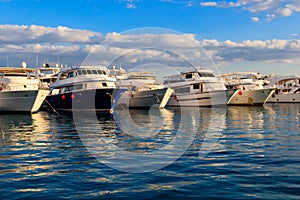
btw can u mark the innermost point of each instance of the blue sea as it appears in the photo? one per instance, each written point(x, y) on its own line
point(205, 153)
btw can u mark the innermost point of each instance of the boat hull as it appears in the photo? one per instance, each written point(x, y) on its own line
point(206, 99)
point(99, 100)
point(250, 97)
point(145, 99)
point(21, 101)
point(284, 98)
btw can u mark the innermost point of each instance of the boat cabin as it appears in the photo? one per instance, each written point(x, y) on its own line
point(17, 79)
point(198, 81)
point(82, 78)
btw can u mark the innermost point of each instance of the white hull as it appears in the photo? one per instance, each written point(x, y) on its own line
point(40, 98)
point(284, 98)
point(22, 101)
point(145, 99)
point(206, 99)
point(250, 97)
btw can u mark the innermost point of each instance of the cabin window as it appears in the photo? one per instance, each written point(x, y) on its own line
point(84, 72)
point(70, 88)
point(63, 76)
point(196, 86)
point(183, 90)
point(78, 87)
point(95, 71)
point(79, 72)
point(297, 91)
point(203, 74)
point(104, 72)
point(71, 74)
point(286, 90)
point(104, 84)
point(89, 71)
point(187, 76)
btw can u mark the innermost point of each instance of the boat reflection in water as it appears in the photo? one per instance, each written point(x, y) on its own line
point(28, 136)
point(28, 128)
point(147, 140)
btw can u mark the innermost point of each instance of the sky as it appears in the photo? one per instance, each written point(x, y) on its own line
point(226, 36)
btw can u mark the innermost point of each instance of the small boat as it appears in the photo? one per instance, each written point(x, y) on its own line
point(84, 88)
point(144, 90)
point(287, 89)
point(19, 90)
point(247, 89)
point(196, 88)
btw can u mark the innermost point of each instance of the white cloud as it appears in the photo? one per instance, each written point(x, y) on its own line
point(295, 6)
point(23, 43)
point(270, 17)
point(189, 4)
point(286, 12)
point(255, 19)
point(151, 40)
point(130, 6)
point(18, 34)
point(275, 51)
point(209, 4)
point(272, 9)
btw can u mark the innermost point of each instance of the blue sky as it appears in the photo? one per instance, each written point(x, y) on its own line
point(261, 35)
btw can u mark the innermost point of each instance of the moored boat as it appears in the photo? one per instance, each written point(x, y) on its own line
point(247, 89)
point(84, 88)
point(47, 75)
point(196, 88)
point(144, 91)
point(287, 89)
point(19, 90)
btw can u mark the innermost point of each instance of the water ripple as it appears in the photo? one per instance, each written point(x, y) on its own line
point(257, 156)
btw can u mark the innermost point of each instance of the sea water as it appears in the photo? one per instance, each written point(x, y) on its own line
point(205, 153)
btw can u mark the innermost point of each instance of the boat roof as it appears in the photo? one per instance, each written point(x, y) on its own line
point(240, 73)
point(276, 79)
point(198, 70)
point(140, 73)
point(49, 68)
point(14, 70)
point(191, 71)
point(84, 67)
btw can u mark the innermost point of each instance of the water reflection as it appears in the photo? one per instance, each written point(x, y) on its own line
point(250, 149)
point(23, 139)
point(147, 140)
point(18, 130)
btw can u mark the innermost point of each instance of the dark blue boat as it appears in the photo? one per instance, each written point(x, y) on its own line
point(84, 89)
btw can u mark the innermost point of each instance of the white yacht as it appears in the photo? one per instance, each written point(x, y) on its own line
point(19, 90)
point(144, 90)
point(247, 88)
point(196, 88)
point(84, 88)
point(287, 89)
point(48, 74)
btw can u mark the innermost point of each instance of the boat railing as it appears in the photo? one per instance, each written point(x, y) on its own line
point(20, 87)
